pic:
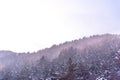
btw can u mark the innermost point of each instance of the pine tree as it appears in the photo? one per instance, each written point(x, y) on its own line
point(70, 71)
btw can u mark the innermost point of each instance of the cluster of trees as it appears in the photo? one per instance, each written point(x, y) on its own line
point(70, 66)
point(98, 62)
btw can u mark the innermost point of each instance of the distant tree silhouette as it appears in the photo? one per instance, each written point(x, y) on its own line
point(70, 71)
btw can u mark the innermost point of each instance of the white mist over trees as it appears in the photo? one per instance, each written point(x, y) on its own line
point(91, 58)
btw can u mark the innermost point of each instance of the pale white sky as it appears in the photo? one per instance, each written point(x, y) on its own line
point(30, 25)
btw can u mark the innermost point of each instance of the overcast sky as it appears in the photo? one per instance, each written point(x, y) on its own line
point(30, 25)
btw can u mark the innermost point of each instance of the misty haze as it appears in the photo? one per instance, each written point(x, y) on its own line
point(91, 58)
point(59, 39)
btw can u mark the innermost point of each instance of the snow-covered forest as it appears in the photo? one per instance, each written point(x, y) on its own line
point(91, 58)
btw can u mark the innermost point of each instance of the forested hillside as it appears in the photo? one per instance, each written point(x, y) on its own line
point(90, 58)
